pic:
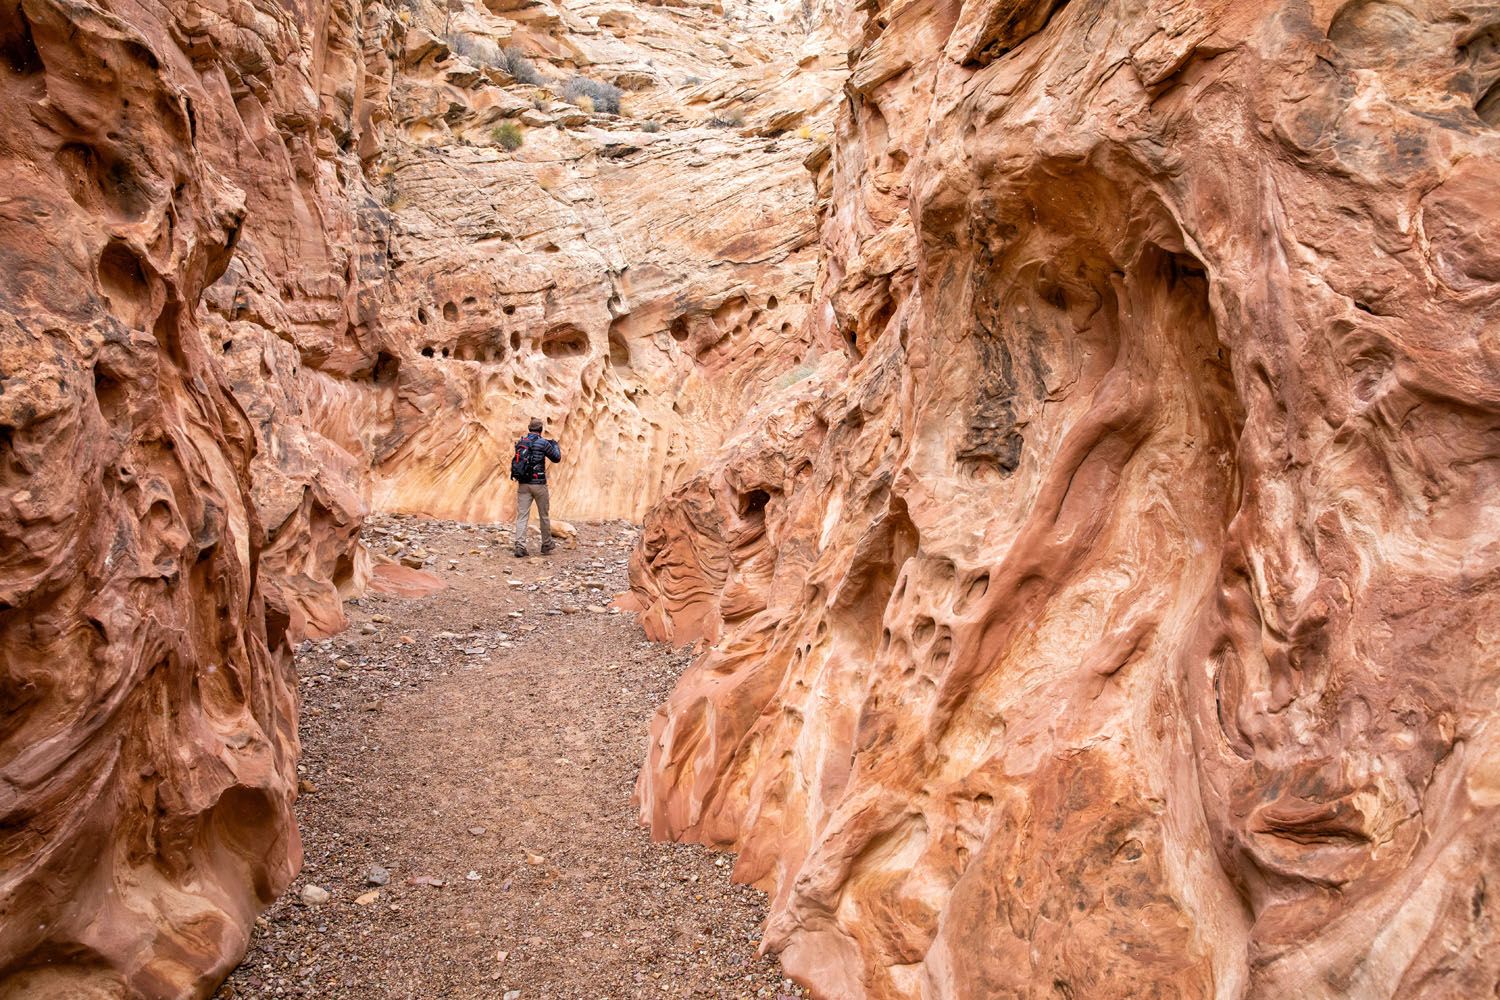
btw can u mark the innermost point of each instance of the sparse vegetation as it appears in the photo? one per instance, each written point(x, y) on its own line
point(734, 118)
point(692, 81)
point(650, 126)
point(479, 51)
point(522, 68)
point(508, 136)
point(602, 97)
point(483, 52)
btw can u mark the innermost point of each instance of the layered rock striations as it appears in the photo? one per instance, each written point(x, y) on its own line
point(268, 267)
point(1117, 617)
point(586, 286)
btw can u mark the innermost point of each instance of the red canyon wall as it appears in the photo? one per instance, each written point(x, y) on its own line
point(264, 266)
point(407, 291)
point(635, 279)
point(149, 736)
point(1118, 617)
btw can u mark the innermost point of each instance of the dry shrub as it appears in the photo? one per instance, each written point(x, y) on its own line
point(508, 136)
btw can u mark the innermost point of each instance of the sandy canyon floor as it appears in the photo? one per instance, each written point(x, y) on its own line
point(468, 759)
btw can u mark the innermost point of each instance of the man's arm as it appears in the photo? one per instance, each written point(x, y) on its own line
point(555, 451)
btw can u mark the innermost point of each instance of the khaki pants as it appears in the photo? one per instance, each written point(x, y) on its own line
point(525, 494)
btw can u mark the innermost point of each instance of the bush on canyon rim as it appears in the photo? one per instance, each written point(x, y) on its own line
point(508, 135)
point(479, 51)
point(519, 66)
point(605, 97)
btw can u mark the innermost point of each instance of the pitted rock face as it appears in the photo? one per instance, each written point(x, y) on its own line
point(149, 734)
point(264, 267)
point(636, 280)
point(1118, 619)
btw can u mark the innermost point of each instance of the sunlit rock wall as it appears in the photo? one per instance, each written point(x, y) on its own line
point(589, 287)
point(636, 279)
point(1118, 618)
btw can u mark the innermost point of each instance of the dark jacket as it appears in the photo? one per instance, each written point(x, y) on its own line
point(538, 451)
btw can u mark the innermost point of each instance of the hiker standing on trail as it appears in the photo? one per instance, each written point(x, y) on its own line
point(529, 469)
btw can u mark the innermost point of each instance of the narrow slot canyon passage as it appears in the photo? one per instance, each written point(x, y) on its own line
point(1035, 465)
point(475, 750)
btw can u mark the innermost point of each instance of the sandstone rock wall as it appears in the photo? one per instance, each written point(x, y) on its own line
point(1117, 618)
point(265, 266)
point(149, 733)
point(582, 287)
point(635, 279)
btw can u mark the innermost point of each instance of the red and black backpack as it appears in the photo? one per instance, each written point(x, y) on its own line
point(520, 464)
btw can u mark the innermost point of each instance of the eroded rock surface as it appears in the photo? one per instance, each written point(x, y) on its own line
point(1118, 619)
point(636, 279)
point(267, 267)
point(149, 735)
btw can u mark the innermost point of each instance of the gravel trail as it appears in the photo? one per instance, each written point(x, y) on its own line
point(468, 762)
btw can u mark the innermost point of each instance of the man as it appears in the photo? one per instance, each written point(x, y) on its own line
point(529, 469)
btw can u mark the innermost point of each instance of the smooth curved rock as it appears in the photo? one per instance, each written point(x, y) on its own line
point(397, 580)
point(266, 268)
point(1118, 620)
point(149, 740)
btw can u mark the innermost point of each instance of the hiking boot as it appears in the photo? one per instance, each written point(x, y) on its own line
point(520, 553)
point(548, 549)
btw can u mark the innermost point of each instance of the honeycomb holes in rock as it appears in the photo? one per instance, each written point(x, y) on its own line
point(386, 369)
point(17, 49)
point(619, 351)
point(103, 183)
point(110, 394)
point(565, 342)
point(752, 505)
